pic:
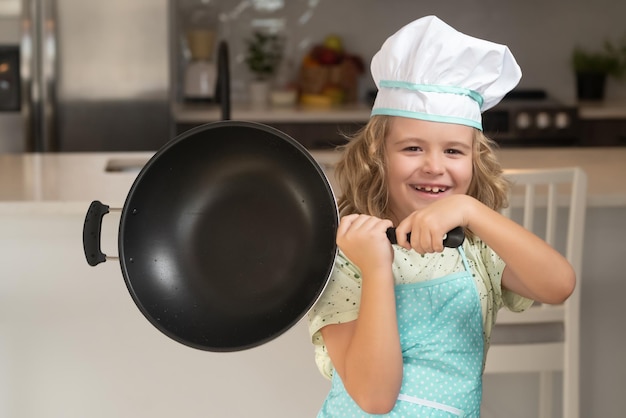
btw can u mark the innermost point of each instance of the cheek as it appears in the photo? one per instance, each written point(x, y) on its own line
point(397, 169)
point(463, 175)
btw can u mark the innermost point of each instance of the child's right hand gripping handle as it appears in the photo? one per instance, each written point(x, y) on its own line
point(452, 239)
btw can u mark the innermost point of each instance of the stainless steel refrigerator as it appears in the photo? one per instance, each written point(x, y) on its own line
point(95, 75)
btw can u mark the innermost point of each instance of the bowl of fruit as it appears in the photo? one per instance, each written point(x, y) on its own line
point(329, 74)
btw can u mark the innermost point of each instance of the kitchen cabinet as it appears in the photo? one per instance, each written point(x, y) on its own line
point(314, 136)
point(316, 128)
point(603, 123)
point(74, 345)
point(603, 132)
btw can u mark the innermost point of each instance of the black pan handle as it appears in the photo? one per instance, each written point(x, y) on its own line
point(452, 239)
point(92, 231)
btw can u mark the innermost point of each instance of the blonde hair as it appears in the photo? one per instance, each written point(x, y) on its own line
point(362, 172)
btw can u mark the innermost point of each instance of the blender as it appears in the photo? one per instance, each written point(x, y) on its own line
point(200, 33)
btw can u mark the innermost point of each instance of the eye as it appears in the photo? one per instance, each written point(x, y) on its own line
point(453, 151)
point(412, 148)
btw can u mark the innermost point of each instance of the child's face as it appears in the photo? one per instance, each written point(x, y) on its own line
point(426, 161)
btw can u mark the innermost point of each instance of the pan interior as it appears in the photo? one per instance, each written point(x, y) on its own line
point(227, 236)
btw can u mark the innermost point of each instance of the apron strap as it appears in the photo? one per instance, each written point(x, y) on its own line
point(465, 262)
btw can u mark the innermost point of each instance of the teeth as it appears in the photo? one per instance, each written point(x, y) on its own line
point(434, 189)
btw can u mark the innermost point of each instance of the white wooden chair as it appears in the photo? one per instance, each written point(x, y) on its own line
point(536, 198)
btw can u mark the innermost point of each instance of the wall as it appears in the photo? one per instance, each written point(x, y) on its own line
point(9, 30)
point(9, 24)
point(541, 34)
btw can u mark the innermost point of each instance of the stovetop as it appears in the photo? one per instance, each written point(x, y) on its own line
point(532, 118)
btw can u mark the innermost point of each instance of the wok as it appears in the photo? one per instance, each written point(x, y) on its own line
point(227, 236)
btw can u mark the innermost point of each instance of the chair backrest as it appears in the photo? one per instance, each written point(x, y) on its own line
point(552, 204)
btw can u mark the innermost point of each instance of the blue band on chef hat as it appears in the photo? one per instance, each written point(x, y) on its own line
point(428, 117)
point(434, 89)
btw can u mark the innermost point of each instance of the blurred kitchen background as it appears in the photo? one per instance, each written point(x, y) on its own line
point(128, 75)
point(125, 76)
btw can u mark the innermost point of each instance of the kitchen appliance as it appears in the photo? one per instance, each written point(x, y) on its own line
point(227, 236)
point(95, 75)
point(527, 118)
point(9, 78)
point(201, 73)
point(10, 100)
point(200, 27)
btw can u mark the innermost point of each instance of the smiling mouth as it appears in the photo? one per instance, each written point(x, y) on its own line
point(431, 189)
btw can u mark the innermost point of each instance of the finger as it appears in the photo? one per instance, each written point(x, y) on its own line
point(345, 223)
point(355, 226)
point(385, 224)
point(371, 228)
point(361, 221)
point(436, 242)
point(431, 241)
point(402, 234)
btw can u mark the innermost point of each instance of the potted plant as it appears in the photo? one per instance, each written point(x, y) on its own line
point(593, 67)
point(263, 56)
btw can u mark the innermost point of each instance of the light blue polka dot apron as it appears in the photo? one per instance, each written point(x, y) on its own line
point(441, 334)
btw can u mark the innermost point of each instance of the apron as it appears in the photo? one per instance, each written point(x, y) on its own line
point(441, 335)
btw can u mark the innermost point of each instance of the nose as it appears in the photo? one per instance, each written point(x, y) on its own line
point(433, 163)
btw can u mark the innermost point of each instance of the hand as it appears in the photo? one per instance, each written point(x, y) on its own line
point(363, 240)
point(428, 226)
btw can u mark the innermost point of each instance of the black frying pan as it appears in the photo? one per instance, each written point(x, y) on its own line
point(227, 236)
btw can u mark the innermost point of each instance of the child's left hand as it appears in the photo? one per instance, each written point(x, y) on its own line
point(429, 225)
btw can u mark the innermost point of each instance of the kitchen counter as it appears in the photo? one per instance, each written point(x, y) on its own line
point(69, 177)
point(605, 167)
point(198, 113)
point(605, 109)
point(602, 123)
point(73, 329)
point(358, 112)
point(82, 177)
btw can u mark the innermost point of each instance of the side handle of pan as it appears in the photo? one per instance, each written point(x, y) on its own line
point(92, 231)
point(452, 239)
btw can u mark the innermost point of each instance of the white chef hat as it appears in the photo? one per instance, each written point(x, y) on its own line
point(428, 70)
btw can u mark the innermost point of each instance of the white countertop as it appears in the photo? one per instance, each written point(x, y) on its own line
point(68, 177)
point(359, 112)
point(605, 109)
point(605, 168)
point(83, 177)
point(198, 113)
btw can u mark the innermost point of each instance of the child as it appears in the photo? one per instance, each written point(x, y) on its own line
point(403, 329)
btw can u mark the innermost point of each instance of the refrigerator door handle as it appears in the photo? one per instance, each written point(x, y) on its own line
point(49, 73)
point(28, 70)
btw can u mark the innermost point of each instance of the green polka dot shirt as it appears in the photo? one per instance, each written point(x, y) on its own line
point(340, 301)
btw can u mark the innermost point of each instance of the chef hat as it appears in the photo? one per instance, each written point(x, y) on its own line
point(428, 70)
